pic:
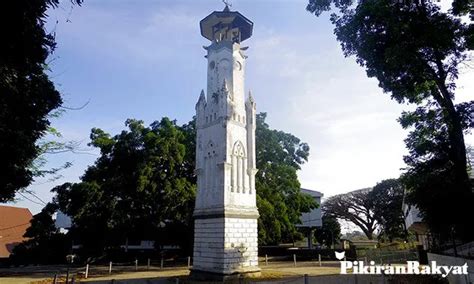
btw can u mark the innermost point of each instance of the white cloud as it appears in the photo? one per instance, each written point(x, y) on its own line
point(298, 75)
point(327, 101)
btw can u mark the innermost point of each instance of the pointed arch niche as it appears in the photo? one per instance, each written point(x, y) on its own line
point(239, 168)
point(210, 160)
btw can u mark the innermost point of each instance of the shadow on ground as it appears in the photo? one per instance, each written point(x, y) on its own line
point(276, 272)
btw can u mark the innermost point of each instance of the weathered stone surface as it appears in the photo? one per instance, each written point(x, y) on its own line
point(225, 214)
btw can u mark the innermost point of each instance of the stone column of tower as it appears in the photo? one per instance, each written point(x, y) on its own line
point(225, 234)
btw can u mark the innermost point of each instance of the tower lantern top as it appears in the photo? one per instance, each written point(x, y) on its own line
point(226, 25)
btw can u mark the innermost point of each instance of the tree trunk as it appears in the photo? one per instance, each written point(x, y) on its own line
point(455, 135)
point(461, 191)
point(369, 233)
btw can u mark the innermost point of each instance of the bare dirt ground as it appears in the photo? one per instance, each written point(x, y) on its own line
point(45, 274)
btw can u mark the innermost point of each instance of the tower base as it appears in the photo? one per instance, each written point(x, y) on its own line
point(201, 275)
point(225, 246)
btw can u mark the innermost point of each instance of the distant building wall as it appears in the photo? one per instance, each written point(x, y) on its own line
point(62, 221)
point(415, 224)
point(312, 219)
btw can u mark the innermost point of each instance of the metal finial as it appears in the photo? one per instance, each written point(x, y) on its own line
point(227, 5)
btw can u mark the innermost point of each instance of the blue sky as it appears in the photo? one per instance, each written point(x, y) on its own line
point(144, 60)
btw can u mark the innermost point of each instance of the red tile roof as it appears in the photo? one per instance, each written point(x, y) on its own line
point(13, 224)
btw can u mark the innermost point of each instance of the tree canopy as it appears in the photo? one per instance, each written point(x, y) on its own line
point(279, 199)
point(415, 51)
point(356, 207)
point(45, 243)
point(27, 95)
point(142, 187)
point(330, 232)
point(140, 184)
point(387, 198)
point(430, 178)
point(376, 210)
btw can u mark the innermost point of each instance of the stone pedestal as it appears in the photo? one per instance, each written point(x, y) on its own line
point(226, 245)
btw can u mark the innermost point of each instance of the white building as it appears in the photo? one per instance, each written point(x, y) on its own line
point(62, 221)
point(313, 218)
point(415, 224)
point(225, 237)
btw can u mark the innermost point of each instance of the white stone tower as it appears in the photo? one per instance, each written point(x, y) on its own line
point(225, 234)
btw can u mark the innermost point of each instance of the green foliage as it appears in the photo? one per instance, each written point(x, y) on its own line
point(463, 7)
point(330, 232)
point(143, 187)
point(42, 224)
point(371, 209)
point(387, 198)
point(356, 207)
point(355, 236)
point(50, 145)
point(140, 183)
point(27, 95)
point(431, 172)
point(279, 199)
point(45, 244)
point(414, 50)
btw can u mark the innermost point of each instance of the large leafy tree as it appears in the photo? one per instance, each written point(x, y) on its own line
point(27, 95)
point(356, 207)
point(387, 198)
point(429, 178)
point(373, 210)
point(279, 199)
point(329, 233)
point(141, 185)
point(415, 50)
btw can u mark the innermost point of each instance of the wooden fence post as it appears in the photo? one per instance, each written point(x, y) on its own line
point(87, 271)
